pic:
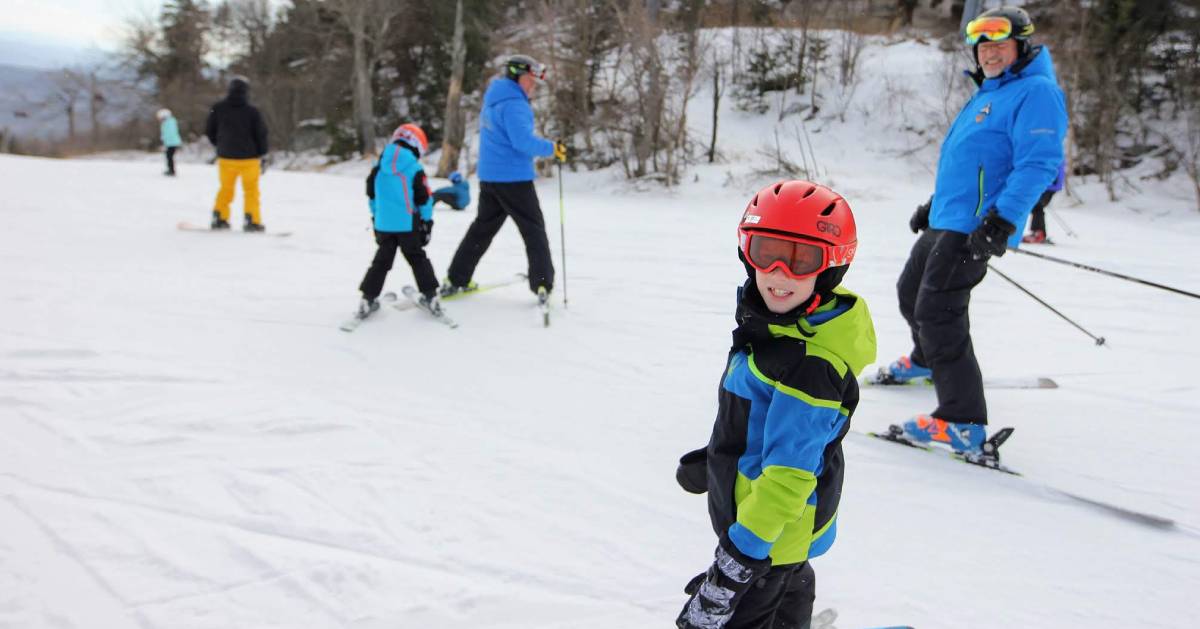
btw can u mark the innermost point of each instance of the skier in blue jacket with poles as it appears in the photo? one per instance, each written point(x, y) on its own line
point(1001, 153)
point(507, 147)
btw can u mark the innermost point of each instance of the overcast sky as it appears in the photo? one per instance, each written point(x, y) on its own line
point(71, 23)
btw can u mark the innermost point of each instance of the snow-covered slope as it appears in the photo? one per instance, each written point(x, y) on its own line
point(189, 441)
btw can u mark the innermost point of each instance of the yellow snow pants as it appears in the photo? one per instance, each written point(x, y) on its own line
point(229, 170)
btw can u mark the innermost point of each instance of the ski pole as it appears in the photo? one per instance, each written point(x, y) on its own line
point(1099, 339)
point(1066, 228)
point(1103, 272)
point(562, 232)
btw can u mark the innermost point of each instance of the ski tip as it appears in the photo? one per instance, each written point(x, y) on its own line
point(1046, 383)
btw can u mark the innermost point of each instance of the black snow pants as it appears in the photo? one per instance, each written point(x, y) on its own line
point(1038, 214)
point(781, 599)
point(171, 159)
point(498, 201)
point(934, 291)
point(412, 246)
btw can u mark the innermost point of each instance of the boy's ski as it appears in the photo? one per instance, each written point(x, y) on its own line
point(192, 227)
point(988, 457)
point(884, 379)
point(482, 288)
point(352, 324)
point(439, 314)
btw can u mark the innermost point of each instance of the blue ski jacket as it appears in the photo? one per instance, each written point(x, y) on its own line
point(507, 142)
point(1003, 150)
point(398, 181)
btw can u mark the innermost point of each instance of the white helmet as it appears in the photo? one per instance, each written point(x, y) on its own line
point(163, 114)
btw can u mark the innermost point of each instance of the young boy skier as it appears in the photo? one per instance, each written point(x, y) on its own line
point(402, 213)
point(773, 466)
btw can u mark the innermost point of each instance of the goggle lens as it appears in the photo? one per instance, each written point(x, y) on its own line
point(990, 28)
point(798, 259)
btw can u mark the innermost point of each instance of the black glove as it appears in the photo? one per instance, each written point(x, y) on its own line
point(714, 597)
point(426, 228)
point(920, 218)
point(991, 237)
point(263, 164)
point(692, 473)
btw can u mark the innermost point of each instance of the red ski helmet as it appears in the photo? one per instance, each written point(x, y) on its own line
point(799, 226)
point(413, 136)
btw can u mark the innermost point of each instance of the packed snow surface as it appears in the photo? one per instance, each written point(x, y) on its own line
point(189, 442)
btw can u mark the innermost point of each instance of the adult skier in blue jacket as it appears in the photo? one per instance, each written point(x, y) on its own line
point(507, 148)
point(1001, 153)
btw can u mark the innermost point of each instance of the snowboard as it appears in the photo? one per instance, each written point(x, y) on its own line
point(193, 227)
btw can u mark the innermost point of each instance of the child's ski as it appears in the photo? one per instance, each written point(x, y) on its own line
point(352, 324)
point(415, 298)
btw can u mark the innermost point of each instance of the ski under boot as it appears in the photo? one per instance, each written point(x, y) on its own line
point(447, 289)
point(218, 222)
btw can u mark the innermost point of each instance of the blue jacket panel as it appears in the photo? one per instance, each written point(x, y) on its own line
point(169, 131)
point(461, 192)
point(1003, 150)
point(507, 142)
point(396, 197)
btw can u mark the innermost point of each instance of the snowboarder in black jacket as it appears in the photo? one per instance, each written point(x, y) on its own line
point(238, 131)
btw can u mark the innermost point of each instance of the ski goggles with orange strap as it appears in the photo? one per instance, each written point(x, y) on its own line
point(992, 28)
point(797, 257)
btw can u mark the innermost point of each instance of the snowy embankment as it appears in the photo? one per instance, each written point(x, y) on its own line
point(189, 441)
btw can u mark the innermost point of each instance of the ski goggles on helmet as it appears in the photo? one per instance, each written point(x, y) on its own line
point(797, 257)
point(537, 70)
point(991, 28)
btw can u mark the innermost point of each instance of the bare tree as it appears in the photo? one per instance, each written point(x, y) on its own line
point(368, 22)
point(454, 128)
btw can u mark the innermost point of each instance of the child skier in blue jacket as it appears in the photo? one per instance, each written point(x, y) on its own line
point(402, 214)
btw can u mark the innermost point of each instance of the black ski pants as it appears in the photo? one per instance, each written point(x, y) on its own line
point(171, 159)
point(934, 291)
point(781, 599)
point(412, 246)
point(498, 201)
point(1038, 215)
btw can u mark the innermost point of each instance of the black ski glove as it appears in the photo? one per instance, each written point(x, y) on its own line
point(426, 232)
point(716, 593)
point(692, 473)
point(991, 237)
point(920, 218)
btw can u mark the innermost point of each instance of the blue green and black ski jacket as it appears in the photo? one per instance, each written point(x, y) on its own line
point(789, 390)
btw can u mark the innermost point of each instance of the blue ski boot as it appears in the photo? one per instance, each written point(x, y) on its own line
point(965, 438)
point(902, 371)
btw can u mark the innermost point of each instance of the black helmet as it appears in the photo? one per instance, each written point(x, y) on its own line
point(516, 65)
point(989, 25)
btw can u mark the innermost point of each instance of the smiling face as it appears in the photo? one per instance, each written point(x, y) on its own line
point(781, 292)
point(996, 56)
